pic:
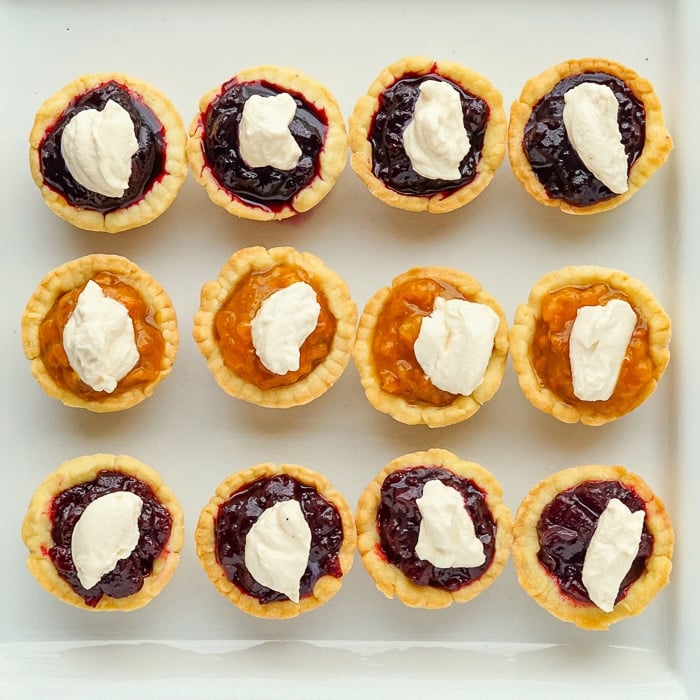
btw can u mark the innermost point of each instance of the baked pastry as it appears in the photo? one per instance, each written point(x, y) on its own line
point(428, 135)
point(107, 152)
point(592, 533)
point(590, 344)
point(277, 326)
point(100, 333)
point(432, 529)
point(586, 134)
point(432, 347)
point(276, 540)
point(104, 533)
point(267, 144)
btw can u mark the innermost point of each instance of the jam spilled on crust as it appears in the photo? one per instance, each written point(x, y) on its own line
point(566, 527)
point(551, 155)
point(127, 577)
point(147, 164)
point(266, 187)
point(238, 514)
point(398, 523)
point(391, 163)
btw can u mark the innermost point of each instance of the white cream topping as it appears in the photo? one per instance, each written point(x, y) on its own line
point(264, 135)
point(435, 139)
point(97, 147)
point(590, 120)
point(285, 320)
point(597, 346)
point(99, 339)
point(611, 551)
point(446, 537)
point(105, 533)
point(277, 548)
point(454, 344)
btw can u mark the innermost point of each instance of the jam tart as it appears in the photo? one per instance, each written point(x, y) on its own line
point(428, 135)
point(267, 144)
point(586, 134)
point(119, 567)
point(107, 152)
point(100, 333)
point(276, 540)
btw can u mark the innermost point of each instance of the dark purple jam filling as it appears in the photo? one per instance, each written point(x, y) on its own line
point(566, 527)
point(398, 522)
point(551, 155)
point(391, 163)
point(127, 577)
point(240, 512)
point(147, 164)
point(266, 187)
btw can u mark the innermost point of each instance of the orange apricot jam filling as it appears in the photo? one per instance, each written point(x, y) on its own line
point(232, 326)
point(550, 349)
point(148, 338)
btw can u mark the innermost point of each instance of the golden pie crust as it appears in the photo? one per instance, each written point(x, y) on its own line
point(72, 275)
point(522, 335)
point(657, 143)
point(326, 587)
point(399, 408)
point(37, 525)
point(332, 158)
point(161, 193)
point(494, 148)
point(541, 585)
point(389, 579)
point(337, 295)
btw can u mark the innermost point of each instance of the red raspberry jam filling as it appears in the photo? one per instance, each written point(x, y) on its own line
point(147, 164)
point(238, 514)
point(551, 155)
point(566, 527)
point(154, 525)
point(398, 523)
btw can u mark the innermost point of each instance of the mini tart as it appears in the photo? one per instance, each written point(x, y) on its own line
point(222, 326)
point(391, 324)
point(549, 313)
point(161, 512)
point(651, 569)
point(647, 142)
point(50, 306)
point(431, 587)
point(388, 99)
point(223, 527)
point(265, 193)
point(159, 167)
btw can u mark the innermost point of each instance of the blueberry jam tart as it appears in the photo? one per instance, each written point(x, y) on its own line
point(586, 134)
point(276, 540)
point(428, 135)
point(592, 545)
point(108, 152)
point(432, 529)
point(267, 144)
point(104, 533)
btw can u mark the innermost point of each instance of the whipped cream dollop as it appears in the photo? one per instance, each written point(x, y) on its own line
point(264, 135)
point(446, 537)
point(590, 120)
point(611, 551)
point(106, 532)
point(99, 339)
point(284, 321)
point(455, 343)
point(97, 147)
point(597, 347)
point(277, 548)
point(435, 140)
